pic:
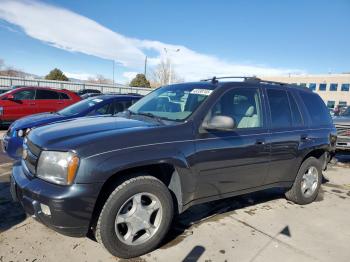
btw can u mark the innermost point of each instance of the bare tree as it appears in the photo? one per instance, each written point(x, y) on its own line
point(99, 79)
point(2, 63)
point(162, 72)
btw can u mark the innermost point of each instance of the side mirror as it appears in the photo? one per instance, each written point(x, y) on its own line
point(10, 97)
point(224, 123)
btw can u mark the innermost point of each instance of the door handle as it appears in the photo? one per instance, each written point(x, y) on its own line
point(260, 142)
point(32, 104)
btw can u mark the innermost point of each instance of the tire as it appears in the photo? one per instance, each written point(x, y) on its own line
point(107, 232)
point(295, 193)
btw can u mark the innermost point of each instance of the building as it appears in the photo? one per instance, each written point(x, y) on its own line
point(333, 88)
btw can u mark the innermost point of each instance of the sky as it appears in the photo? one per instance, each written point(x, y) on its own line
point(241, 37)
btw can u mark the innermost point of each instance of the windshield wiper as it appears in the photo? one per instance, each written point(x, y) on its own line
point(150, 115)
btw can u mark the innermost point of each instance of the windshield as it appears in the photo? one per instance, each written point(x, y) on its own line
point(79, 107)
point(346, 112)
point(175, 102)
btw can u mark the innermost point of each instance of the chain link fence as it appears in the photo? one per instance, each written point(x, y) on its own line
point(7, 82)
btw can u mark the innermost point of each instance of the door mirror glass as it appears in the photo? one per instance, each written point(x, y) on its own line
point(224, 123)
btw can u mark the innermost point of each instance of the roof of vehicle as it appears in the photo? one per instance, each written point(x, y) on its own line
point(112, 96)
point(40, 87)
point(250, 80)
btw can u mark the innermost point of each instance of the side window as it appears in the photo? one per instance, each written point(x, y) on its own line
point(46, 94)
point(134, 101)
point(104, 110)
point(24, 95)
point(118, 107)
point(317, 109)
point(64, 96)
point(296, 115)
point(241, 104)
point(279, 107)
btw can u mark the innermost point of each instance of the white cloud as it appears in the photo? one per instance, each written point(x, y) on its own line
point(80, 76)
point(67, 30)
point(129, 75)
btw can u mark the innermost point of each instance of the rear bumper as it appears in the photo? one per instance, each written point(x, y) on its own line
point(71, 207)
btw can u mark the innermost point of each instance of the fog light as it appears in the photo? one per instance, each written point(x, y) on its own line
point(45, 209)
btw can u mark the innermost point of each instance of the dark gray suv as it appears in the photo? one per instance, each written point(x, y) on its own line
point(124, 177)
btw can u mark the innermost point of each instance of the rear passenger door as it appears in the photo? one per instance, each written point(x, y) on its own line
point(287, 130)
point(48, 101)
point(229, 161)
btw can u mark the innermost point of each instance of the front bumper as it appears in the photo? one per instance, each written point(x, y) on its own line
point(71, 206)
point(343, 143)
point(12, 146)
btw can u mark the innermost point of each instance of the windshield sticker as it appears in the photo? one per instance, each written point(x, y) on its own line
point(97, 100)
point(205, 92)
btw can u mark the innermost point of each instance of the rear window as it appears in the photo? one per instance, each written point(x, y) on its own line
point(317, 109)
point(64, 96)
point(46, 94)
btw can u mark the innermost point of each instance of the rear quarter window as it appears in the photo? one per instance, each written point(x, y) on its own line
point(316, 108)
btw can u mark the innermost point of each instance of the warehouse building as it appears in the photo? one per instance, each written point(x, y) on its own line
point(333, 88)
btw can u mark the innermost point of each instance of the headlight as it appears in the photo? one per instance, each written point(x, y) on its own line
point(57, 167)
point(23, 132)
point(20, 133)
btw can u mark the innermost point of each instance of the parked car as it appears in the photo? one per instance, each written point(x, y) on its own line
point(102, 105)
point(342, 123)
point(21, 102)
point(87, 95)
point(88, 91)
point(4, 91)
point(125, 177)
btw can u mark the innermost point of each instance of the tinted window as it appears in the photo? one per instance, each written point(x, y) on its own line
point(64, 96)
point(280, 110)
point(241, 104)
point(345, 87)
point(317, 109)
point(312, 86)
point(119, 106)
point(323, 87)
point(296, 115)
point(46, 94)
point(331, 104)
point(104, 110)
point(24, 95)
point(333, 87)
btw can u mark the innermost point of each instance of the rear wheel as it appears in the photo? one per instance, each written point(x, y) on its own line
point(136, 217)
point(307, 182)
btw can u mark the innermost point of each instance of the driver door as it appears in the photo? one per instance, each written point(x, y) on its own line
point(237, 159)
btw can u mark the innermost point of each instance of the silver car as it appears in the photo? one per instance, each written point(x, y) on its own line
point(342, 123)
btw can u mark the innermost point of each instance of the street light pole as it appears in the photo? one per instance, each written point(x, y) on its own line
point(167, 50)
point(145, 72)
point(113, 71)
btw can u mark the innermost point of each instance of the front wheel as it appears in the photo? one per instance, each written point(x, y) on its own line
point(136, 217)
point(307, 182)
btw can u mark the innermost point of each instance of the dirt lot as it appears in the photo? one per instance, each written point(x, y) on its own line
point(254, 227)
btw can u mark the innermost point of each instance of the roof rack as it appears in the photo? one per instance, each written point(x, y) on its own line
point(215, 79)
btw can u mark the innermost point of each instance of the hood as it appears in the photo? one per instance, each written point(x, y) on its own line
point(36, 120)
point(73, 134)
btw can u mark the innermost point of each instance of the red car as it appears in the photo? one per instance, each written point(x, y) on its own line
point(21, 102)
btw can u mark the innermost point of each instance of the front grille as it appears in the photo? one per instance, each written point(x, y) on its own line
point(31, 156)
point(343, 130)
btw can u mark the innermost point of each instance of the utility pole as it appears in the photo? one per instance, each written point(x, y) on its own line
point(145, 72)
point(113, 71)
point(167, 50)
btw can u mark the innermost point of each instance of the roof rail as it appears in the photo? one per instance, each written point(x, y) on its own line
point(215, 79)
